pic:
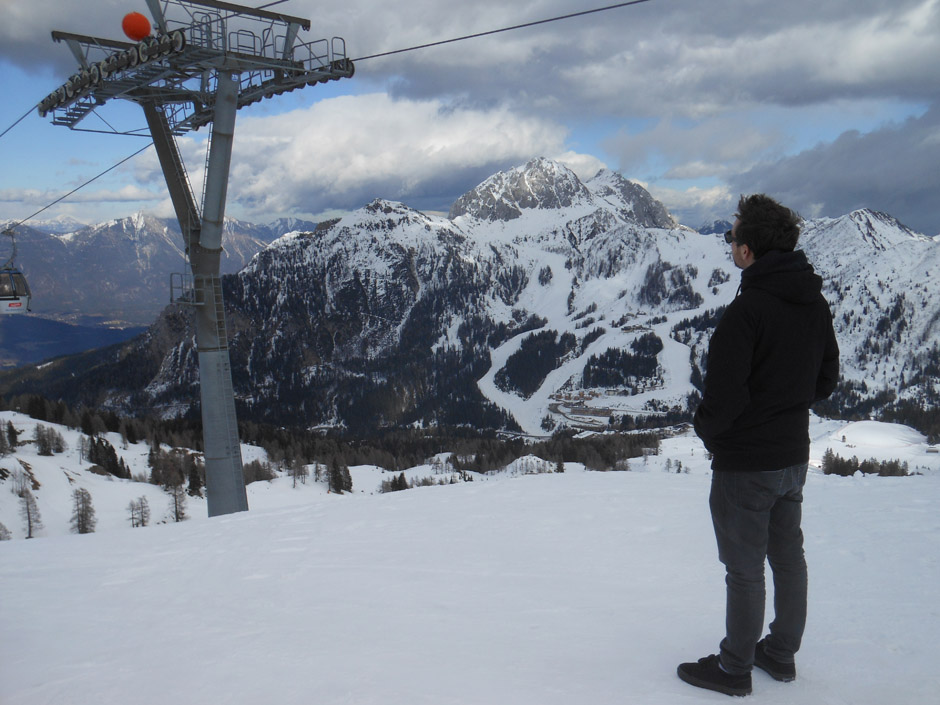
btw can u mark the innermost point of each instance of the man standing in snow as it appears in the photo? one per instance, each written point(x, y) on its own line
point(772, 355)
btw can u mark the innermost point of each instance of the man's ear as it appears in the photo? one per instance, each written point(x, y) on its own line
point(747, 255)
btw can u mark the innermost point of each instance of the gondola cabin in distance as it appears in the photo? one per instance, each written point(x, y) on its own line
point(14, 291)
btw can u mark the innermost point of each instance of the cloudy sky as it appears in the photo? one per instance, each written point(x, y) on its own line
point(829, 106)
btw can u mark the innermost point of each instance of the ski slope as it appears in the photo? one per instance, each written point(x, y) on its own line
point(543, 589)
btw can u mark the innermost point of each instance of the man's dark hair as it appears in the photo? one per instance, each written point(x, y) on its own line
point(766, 225)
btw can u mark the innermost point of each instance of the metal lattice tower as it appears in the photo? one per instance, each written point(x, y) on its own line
point(205, 60)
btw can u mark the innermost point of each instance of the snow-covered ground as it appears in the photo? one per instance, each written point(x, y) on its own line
point(549, 588)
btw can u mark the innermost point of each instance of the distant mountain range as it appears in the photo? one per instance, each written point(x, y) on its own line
point(117, 273)
point(542, 301)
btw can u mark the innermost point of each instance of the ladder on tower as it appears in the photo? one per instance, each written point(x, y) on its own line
point(226, 391)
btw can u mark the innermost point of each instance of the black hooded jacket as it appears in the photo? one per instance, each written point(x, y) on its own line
point(772, 355)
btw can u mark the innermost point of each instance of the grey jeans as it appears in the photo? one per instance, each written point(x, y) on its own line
point(756, 517)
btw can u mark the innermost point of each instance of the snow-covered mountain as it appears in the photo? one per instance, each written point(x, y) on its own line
point(118, 271)
point(60, 225)
point(883, 283)
point(716, 226)
point(389, 299)
point(544, 185)
point(543, 301)
point(282, 226)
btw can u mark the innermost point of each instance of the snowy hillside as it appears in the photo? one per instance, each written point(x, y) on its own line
point(54, 478)
point(543, 589)
point(883, 284)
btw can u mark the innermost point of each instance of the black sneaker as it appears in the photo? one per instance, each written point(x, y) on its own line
point(778, 670)
point(707, 673)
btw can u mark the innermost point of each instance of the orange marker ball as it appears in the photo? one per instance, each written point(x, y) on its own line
point(135, 26)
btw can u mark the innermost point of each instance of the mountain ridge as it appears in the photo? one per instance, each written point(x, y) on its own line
point(109, 272)
point(502, 315)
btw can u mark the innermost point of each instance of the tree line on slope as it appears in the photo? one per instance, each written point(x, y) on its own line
point(391, 449)
point(834, 464)
point(289, 450)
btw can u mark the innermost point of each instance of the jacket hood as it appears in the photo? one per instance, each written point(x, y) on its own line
point(787, 275)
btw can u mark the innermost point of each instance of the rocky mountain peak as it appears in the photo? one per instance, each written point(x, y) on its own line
point(881, 229)
point(863, 232)
point(388, 216)
point(282, 226)
point(716, 227)
point(641, 207)
point(539, 184)
point(386, 207)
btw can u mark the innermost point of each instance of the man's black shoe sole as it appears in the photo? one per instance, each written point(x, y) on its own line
point(710, 685)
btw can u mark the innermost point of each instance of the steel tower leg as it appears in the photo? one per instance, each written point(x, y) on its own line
point(225, 484)
point(174, 172)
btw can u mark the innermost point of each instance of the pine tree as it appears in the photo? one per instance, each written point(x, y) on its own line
point(12, 435)
point(178, 503)
point(83, 512)
point(30, 513)
point(48, 440)
point(828, 460)
point(396, 484)
point(298, 471)
point(140, 512)
point(21, 482)
point(195, 479)
point(36, 408)
point(339, 477)
point(5, 534)
point(41, 437)
point(88, 425)
point(333, 477)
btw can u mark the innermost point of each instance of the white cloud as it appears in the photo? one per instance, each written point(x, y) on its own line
point(344, 152)
point(715, 148)
point(696, 206)
point(892, 169)
point(129, 193)
point(695, 82)
point(584, 165)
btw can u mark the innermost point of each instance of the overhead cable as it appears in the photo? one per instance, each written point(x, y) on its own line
point(21, 118)
point(93, 178)
point(504, 29)
point(364, 58)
